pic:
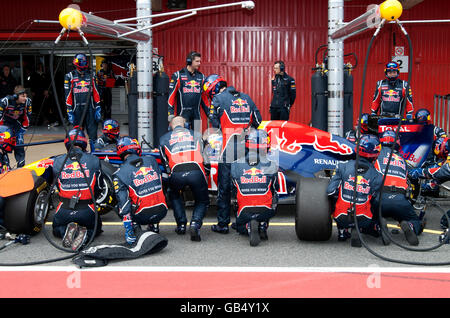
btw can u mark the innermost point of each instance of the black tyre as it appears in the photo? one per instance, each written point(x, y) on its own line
point(312, 218)
point(26, 213)
point(106, 200)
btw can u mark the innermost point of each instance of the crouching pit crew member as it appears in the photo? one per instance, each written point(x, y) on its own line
point(255, 180)
point(181, 152)
point(233, 112)
point(75, 216)
point(342, 185)
point(394, 202)
point(138, 187)
point(111, 133)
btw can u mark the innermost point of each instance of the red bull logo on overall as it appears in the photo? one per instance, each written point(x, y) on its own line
point(81, 87)
point(391, 96)
point(239, 106)
point(149, 176)
point(194, 87)
point(76, 171)
point(362, 187)
point(254, 174)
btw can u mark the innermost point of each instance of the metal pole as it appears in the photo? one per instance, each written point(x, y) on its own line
point(439, 111)
point(335, 69)
point(448, 114)
point(21, 69)
point(434, 110)
point(144, 67)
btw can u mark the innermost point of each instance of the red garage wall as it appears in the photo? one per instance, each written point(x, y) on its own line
point(241, 45)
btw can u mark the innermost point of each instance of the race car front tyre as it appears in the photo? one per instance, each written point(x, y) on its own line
point(25, 213)
point(312, 218)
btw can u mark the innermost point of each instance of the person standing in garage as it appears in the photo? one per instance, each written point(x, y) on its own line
point(284, 93)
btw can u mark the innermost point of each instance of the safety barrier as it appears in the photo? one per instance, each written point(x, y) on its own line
point(441, 115)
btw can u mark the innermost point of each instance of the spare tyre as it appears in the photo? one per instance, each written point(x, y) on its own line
point(312, 214)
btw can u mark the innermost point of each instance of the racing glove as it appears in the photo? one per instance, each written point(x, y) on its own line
point(415, 174)
point(130, 237)
point(98, 114)
point(70, 117)
point(409, 117)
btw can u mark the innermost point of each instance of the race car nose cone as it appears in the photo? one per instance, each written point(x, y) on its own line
point(391, 10)
point(70, 18)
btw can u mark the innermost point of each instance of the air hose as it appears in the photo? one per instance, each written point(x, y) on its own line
point(388, 164)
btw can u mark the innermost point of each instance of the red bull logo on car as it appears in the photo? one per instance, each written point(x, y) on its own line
point(320, 142)
point(254, 174)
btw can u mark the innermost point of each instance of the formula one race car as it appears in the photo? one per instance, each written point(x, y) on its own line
point(306, 156)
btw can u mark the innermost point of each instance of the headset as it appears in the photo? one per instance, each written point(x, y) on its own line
point(190, 57)
point(16, 95)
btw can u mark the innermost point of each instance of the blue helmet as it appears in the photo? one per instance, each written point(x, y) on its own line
point(111, 129)
point(423, 116)
point(80, 62)
point(392, 66)
point(257, 139)
point(442, 147)
point(369, 146)
point(388, 138)
point(127, 145)
point(364, 123)
point(80, 141)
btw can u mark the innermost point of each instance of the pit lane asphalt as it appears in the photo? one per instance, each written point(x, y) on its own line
point(283, 249)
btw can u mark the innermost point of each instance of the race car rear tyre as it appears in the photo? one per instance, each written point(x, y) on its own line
point(312, 218)
point(25, 213)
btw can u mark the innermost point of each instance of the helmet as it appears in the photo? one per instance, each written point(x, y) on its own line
point(80, 141)
point(392, 66)
point(423, 116)
point(127, 145)
point(80, 62)
point(387, 139)
point(7, 139)
point(111, 129)
point(257, 139)
point(351, 136)
point(442, 147)
point(369, 146)
point(365, 123)
point(212, 85)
